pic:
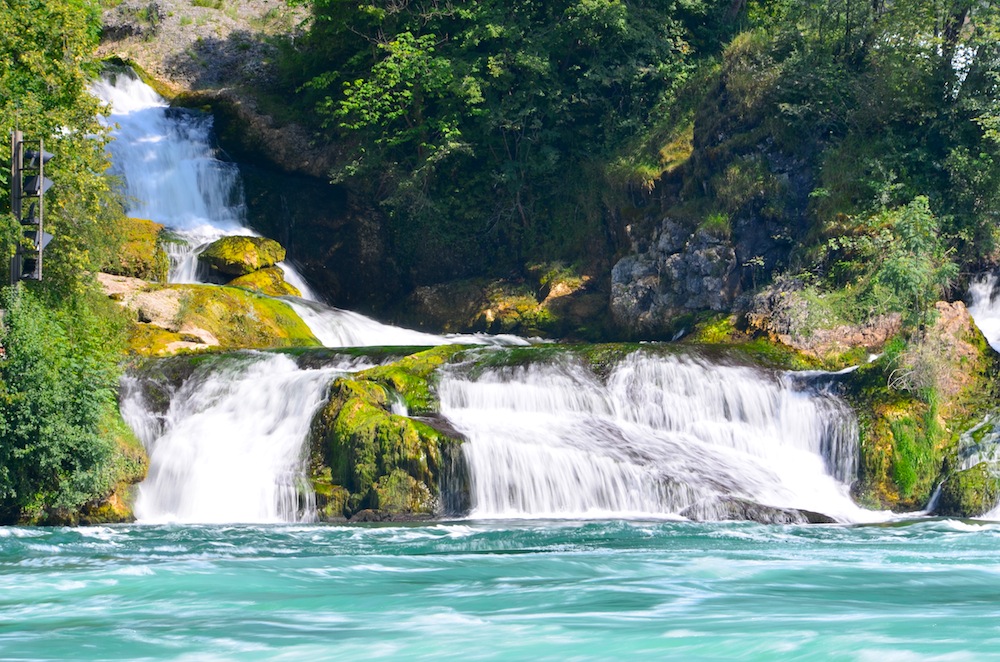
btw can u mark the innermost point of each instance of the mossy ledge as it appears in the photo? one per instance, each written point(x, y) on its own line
point(913, 404)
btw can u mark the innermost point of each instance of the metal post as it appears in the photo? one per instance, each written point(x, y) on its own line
point(16, 166)
point(41, 203)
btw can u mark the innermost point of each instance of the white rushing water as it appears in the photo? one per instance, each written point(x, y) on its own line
point(664, 436)
point(230, 447)
point(172, 176)
point(984, 306)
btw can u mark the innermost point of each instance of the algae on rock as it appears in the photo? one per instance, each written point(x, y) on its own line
point(364, 457)
point(270, 281)
point(141, 254)
point(238, 255)
point(969, 493)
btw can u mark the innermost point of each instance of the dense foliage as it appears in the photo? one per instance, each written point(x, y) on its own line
point(62, 442)
point(493, 134)
point(484, 129)
point(881, 105)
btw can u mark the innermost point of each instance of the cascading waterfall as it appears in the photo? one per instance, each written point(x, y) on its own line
point(169, 171)
point(662, 436)
point(984, 306)
point(230, 446)
point(172, 176)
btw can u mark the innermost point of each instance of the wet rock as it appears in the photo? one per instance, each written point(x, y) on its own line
point(676, 275)
point(239, 256)
point(969, 493)
point(732, 508)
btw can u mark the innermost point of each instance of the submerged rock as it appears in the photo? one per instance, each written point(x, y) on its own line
point(733, 508)
point(238, 256)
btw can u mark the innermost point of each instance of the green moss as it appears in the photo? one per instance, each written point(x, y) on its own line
point(239, 256)
point(364, 457)
point(141, 255)
point(237, 318)
point(969, 493)
point(411, 377)
point(270, 281)
point(717, 224)
point(241, 319)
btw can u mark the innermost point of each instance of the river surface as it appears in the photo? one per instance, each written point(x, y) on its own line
point(924, 590)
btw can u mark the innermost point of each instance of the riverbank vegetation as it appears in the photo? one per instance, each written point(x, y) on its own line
point(64, 450)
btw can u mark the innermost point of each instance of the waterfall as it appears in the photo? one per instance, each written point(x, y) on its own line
point(169, 170)
point(172, 176)
point(984, 306)
point(661, 436)
point(230, 446)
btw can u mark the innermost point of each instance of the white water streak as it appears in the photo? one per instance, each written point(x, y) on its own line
point(984, 306)
point(663, 435)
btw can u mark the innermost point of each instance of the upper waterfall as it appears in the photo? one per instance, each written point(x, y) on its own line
point(172, 176)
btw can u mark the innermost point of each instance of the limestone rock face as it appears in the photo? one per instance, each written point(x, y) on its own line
point(678, 273)
point(238, 256)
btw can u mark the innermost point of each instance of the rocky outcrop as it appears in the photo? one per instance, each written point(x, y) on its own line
point(913, 403)
point(554, 303)
point(239, 256)
point(174, 318)
point(969, 493)
point(370, 463)
point(679, 273)
point(141, 254)
point(782, 313)
point(208, 52)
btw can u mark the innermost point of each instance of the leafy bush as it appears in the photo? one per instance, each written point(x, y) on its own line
point(896, 259)
point(58, 385)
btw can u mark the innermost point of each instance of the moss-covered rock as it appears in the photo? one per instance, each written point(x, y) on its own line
point(969, 493)
point(411, 377)
point(554, 302)
point(365, 458)
point(195, 317)
point(270, 281)
point(238, 256)
point(141, 254)
point(913, 404)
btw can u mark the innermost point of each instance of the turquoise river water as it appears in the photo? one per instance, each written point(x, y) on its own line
point(923, 590)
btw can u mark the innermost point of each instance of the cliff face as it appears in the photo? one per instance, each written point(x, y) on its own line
point(212, 53)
